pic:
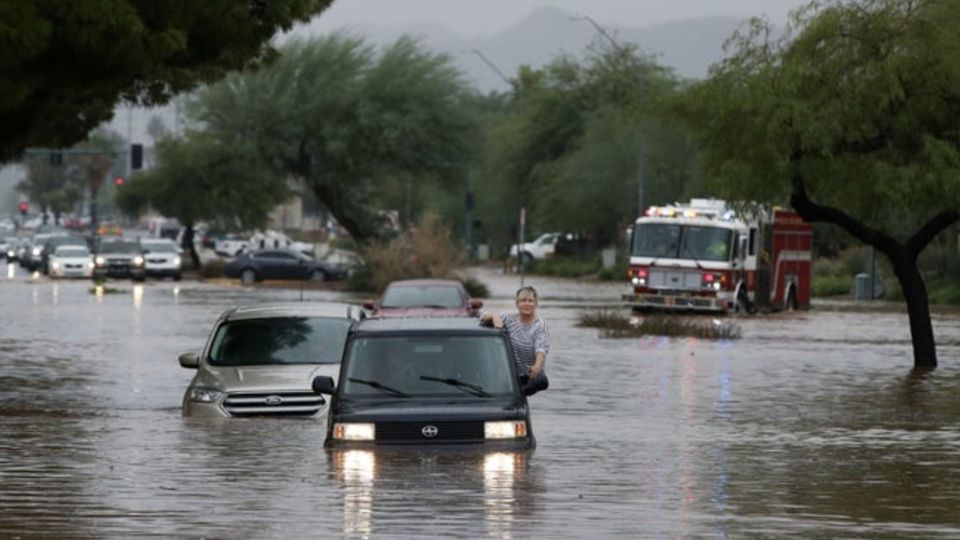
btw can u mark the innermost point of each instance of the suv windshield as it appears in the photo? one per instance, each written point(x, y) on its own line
point(279, 340)
point(413, 296)
point(120, 247)
point(407, 366)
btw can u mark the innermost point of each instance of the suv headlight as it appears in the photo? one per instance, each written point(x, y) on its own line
point(354, 431)
point(205, 394)
point(100, 261)
point(513, 429)
point(138, 261)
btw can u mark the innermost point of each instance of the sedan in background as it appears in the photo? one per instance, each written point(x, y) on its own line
point(425, 298)
point(70, 261)
point(161, 258)
point(280, 264)
point(260, 361)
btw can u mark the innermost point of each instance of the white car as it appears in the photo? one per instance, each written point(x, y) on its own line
point(541, 248)
point(161, 258)
point(71, 261)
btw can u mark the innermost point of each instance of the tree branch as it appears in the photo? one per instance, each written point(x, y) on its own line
point(916, 243)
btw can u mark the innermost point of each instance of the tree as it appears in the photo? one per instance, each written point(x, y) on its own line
point(199, 179)
point(343, 118)
point(66, 64)
point(851, 116)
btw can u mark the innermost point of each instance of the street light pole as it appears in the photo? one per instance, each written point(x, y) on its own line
point(640, 142)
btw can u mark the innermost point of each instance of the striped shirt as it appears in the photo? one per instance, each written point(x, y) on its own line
point(527, 340)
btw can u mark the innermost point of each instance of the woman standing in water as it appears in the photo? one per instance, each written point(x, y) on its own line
point(529, 337)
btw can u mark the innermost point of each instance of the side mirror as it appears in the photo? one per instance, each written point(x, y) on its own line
point(369, 305)
point(190, 360)
point(323, 385)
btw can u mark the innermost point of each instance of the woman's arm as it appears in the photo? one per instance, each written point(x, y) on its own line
point(491, 319)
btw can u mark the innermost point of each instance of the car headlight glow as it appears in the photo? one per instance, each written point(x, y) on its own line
point(177, 260)
point(36, 251)
point(138, 261)
point(512, 429)
point(354, 432)
point(55, 265)
point(100, 261)
point(205, 394)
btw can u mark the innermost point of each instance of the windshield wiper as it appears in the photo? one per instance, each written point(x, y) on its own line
point(471, 388)
point(374, 384)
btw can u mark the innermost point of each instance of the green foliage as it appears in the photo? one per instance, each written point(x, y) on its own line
point(475, 288)
point(65, 65)
point(564, 267)
point(831, 285)
point(346, 121)
point(199, 178)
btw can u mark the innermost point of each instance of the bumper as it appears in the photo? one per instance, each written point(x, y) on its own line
point(118, 272)
point(481, 445)
point(71, 273)
point(678, 301)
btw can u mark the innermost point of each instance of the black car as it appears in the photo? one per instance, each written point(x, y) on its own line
point(119, 257)
point(280, 264)
point(427, 381)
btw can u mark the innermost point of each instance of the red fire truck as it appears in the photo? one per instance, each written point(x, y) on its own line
point(702, 257)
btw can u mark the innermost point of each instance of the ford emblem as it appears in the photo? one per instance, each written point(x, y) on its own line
point(273, 400)
point(429, 431)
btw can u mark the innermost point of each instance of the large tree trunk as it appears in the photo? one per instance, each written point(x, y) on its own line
point(918, 309)
point(903, 256)
point(188, 244)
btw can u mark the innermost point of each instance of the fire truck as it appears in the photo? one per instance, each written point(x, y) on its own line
point(702, 257)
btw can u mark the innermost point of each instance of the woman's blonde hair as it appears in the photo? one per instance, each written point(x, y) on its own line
point(527, 291)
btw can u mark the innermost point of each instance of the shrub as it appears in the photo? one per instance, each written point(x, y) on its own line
point(212, 269)
point(616, 325)
point(475, 288)
point(828, 285)
point(425, 251)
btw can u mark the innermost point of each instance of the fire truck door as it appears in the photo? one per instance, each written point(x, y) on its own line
point(764, 264)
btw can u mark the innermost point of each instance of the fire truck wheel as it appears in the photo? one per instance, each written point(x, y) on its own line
point(791, 300)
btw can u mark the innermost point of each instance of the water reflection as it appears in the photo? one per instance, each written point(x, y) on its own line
point(495, 489)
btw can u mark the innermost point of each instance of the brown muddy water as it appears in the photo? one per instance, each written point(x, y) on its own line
point(808, 427)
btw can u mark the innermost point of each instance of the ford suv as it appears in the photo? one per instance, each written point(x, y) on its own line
point(426, 381)
point(260, 361)
point(120, 258)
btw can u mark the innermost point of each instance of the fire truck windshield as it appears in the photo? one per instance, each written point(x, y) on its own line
point(676, 241)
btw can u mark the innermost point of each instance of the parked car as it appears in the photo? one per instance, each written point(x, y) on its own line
point(118, 257)
point(541, 248)
point(425, 298)
point(161, 258)
point(448, 381)
point(53, 243)
point(70, 261)
point(230, 245)
point(261, 360)
point(280, 264)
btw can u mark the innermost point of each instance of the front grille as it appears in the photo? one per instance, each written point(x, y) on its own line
point(675, 279)
point(273, 404)
point(157, 261)
point(413, 431)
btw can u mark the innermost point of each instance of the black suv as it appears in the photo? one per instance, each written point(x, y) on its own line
point(121, 258)
point(430, 381)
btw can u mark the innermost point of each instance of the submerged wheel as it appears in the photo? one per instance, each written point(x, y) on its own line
point(791, 304)
point(248, 276)
point(318, 276)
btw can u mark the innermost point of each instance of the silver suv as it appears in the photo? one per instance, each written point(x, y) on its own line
point(260, 361)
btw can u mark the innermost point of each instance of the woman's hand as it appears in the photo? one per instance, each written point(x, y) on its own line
point(497, 321)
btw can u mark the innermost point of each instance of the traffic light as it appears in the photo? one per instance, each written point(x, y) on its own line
point(24, 207)
point(136, 156)
point(118, 181)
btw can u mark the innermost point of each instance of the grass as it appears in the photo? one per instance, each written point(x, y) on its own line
point(831, 285)
point(616, 325)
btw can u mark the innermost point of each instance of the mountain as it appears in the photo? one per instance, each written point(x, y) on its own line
point(689, 46)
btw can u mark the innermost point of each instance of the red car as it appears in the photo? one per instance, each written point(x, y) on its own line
point(425, 298)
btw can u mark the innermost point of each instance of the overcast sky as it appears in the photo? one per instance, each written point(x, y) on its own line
point(474, 18)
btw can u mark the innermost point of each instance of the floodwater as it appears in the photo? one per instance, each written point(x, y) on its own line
point(810, 426)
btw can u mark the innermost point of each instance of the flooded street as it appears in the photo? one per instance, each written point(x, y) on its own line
point(809, 426)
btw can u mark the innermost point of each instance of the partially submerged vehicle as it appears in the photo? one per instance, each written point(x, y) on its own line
point(426, 381)
point(261, 360)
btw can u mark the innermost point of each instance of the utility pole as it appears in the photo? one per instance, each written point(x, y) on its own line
point(640, 142)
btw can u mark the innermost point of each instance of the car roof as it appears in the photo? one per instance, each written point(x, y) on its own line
point(279, 309)
point(425, 282)
point(419, 325)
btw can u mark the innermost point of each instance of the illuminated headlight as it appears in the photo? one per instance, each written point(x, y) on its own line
point(138, 261)
point(100, 261)
point(55, 265)
point(90, 264)
point(505, 430)
point(639, 281)
point(205, 394)
point(36, 251)
point(177, 261)
point(11, 254)
point(716, 285)
point(354, 432)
